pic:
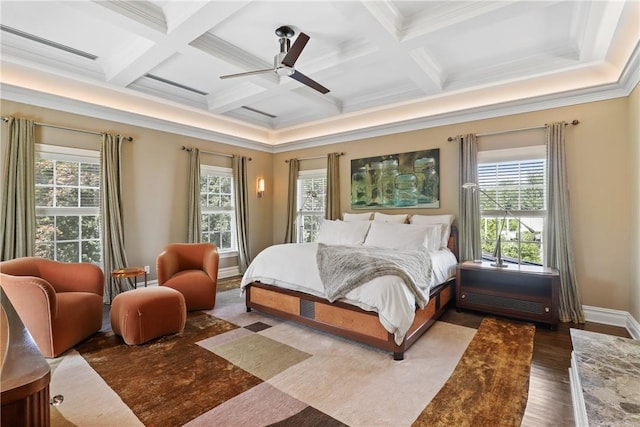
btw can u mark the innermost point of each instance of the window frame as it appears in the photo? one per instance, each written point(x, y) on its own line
point(226, 172)
point(536, 219)
point(75, 155)
point(301, 199)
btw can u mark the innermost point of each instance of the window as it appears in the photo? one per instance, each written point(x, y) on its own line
point(312, 185)
point(217, 208)
point(518, 184)
point(67, 204)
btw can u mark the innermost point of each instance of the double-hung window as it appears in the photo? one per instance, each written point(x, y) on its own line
point(312, 187)
point(217, 208)
point(516, 180)
point(67, 204)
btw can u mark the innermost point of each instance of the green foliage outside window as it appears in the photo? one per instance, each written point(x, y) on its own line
point(520, 188)
point(217, 219)
point(312, 212)
point(67, 221)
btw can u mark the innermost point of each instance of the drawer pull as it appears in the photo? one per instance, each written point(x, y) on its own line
point(546, 309)
point(463, 296)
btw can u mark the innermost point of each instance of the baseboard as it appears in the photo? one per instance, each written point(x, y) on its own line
point(223, 273)
point(607, 316)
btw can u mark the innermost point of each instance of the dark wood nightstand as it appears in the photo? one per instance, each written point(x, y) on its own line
point(519, 291)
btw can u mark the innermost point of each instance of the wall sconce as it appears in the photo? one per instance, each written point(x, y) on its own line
point(260, 187)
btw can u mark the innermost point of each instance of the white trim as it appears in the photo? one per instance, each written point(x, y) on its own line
point(225, 272)
point(93, 155)
point(577, 397)
point(313, 173)
point(519, 154)
point(622, 88)
point(228, 254)
point(216, 170)
point(607, 316)
point(67, 154)
point(633, 327)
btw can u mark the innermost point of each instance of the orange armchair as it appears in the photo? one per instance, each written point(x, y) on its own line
point(192, 269)
point(59, 303)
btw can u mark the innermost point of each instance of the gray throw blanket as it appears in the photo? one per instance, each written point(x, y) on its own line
point(343, 268)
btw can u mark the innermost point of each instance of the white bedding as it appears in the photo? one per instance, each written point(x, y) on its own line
point(293, 266)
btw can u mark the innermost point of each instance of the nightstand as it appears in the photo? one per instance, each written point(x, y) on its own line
point(521, 291)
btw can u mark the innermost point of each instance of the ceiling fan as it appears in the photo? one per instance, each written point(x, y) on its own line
point(284, 61)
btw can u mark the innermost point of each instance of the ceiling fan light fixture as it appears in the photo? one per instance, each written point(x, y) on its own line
point(284, 61)
point(285, 71)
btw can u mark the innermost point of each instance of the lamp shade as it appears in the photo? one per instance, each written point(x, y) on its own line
point(260, 187)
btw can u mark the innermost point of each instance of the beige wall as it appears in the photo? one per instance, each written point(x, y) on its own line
point(602, 156)
point(155, 179)
point(598, 153)
point(634, 187)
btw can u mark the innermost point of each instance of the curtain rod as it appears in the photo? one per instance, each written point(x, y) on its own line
point(573, 122)
point(316, 157)
point(47, 125)
point(213, 153)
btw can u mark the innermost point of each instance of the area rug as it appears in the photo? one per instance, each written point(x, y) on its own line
point(490, 384)
point(232, 368)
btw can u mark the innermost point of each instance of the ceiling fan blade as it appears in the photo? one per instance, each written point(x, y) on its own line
point(248, 73)
point(295, 51)
point(297, 75)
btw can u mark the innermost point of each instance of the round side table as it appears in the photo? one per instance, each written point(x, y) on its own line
point(128, 272)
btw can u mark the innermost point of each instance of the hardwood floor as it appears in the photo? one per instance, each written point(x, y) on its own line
point(549, 401)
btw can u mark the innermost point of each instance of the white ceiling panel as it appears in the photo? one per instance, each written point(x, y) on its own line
point(371, 55)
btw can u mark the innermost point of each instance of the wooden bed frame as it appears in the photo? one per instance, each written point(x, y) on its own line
point(349, 321)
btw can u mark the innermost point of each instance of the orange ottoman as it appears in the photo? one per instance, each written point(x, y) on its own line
point(143, 314)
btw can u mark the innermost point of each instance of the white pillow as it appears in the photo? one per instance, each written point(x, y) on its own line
point(400, 236)
point(398, 219)
point(346, 216)
point(343, 233)
point(433, 239)
point(444, 220)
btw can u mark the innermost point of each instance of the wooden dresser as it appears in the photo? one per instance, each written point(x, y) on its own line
point(24, 373)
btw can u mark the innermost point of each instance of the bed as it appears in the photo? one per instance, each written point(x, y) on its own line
point(389, 311)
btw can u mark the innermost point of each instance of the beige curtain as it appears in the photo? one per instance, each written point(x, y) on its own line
point(292, 198)
point(111, 221)
point(193, 194)
point(469, 219)
point(18, 221)
point(558, 252)
point(332, 207)
point(240, 166)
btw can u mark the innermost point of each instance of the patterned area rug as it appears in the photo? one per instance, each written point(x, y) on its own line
point(231, 368)
point(496, 364)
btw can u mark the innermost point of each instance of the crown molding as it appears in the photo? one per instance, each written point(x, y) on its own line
point(623, 87)
point(55, 102)
point(564, 99)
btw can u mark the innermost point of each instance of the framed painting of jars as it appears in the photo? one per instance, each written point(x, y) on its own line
point(406, 180)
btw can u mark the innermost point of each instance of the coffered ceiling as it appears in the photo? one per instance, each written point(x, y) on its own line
point(388, 64)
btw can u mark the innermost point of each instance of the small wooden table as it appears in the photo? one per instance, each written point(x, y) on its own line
point(128, 272)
